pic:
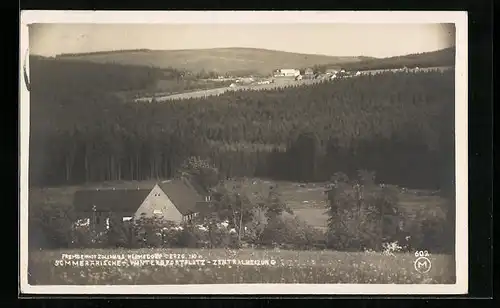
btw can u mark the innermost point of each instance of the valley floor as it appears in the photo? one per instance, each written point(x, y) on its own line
point(308, 201)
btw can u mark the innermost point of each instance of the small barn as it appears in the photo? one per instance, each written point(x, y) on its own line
point(175, 200)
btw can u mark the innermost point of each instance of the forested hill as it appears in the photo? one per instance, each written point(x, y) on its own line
point(58, 75)
point(443, 57)
point(222, 60)
point(398, 124)
point(78, 77)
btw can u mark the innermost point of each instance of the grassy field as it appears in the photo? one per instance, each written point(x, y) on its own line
point(283, 267)
point(221, 90)
point(308, 201)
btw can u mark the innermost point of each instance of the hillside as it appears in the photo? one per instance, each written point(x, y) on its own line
point(443, 57)
point(221, 60)
point(244, 61)
point(82, 77)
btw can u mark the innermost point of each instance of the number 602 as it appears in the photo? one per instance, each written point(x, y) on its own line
point(421, 253)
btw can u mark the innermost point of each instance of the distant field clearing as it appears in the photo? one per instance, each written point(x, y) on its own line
point(222, 90)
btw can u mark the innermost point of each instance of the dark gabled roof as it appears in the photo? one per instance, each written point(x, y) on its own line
point(182, 194)
point(195, 185)
point(113, 200)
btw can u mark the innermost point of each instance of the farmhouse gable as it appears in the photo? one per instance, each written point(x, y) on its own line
point(158, 204)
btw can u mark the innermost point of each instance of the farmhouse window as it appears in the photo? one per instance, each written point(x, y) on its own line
point(83, 222)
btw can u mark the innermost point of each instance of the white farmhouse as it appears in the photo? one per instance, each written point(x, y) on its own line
point(285, 72)
point(175, 200)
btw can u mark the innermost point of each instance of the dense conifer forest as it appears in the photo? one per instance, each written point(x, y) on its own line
point(400, 125)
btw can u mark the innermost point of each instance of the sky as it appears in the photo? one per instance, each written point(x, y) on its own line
point(375, 40)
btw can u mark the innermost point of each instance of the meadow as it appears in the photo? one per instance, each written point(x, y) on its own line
point(215, 90)
point(314, 267)
point(308, 201)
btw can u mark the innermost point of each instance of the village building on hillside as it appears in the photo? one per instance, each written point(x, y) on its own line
point(177, 200)
point(245, 80)
point(308, 71)
point(331, 71)
point(286, 73)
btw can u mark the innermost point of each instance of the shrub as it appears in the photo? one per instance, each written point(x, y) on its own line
point(120, 233)
point(191, 237)
point(51, 225)
point(255, 228)
point(362, 215)
point(291, 233)
point(428, 231)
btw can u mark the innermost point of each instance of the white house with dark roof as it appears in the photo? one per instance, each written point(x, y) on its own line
point(285, 72)
point(175, 200)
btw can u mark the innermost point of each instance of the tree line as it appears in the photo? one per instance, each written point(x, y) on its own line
point(444, 57)
point(398, 124)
